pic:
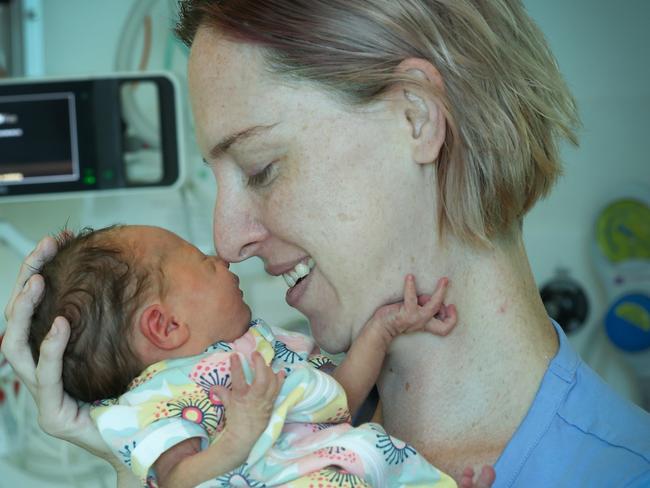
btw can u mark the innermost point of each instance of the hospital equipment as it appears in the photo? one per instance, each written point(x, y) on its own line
point(621, 252)
point(565, 301)
point(74, 135)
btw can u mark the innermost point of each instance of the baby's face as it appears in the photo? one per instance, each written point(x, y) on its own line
point(200, 290)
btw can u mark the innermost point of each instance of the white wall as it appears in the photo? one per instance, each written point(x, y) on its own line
point(81, 36)
point(602, 49)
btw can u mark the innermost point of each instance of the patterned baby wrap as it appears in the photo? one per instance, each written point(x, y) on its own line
point(307, 443)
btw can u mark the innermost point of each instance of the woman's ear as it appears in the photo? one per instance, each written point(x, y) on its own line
point(421, 107)
point(161, 329)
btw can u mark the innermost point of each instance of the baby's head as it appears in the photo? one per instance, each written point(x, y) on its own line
point(134, 295)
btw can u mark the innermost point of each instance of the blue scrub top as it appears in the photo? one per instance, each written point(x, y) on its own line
point(578, 432)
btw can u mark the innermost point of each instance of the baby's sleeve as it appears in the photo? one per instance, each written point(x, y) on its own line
point(138, 443)
point(293, 347)
point(322, 362)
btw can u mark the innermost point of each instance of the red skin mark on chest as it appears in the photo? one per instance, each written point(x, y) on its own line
point(503, 308)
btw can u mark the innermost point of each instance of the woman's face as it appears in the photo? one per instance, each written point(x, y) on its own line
point(304, 179)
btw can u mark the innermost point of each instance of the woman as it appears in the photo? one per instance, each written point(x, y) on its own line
point(379, 138)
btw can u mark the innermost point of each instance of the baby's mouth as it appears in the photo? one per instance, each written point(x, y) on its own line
point(299, 272)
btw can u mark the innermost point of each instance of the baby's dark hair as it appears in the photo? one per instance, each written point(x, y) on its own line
point(94, 282)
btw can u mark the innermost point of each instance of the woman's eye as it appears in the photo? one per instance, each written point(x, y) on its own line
point(263, 177)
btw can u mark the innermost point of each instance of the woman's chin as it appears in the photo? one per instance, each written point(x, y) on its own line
point(328, 339)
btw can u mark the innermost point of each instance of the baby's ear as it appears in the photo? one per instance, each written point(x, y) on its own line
point(161, 329)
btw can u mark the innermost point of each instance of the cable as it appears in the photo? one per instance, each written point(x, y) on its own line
point(142, 125)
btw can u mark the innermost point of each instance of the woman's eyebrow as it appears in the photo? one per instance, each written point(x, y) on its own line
point(238, 138)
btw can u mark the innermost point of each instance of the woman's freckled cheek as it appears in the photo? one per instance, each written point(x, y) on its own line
point(287, 206)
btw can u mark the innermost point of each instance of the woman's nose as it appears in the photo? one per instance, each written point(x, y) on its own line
point(238, 232)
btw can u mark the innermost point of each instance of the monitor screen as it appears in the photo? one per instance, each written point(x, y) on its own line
point(88, 134)
point(38, 139)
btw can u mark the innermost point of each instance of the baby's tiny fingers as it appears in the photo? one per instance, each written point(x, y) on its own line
point(433, 305)
point(410, 294)
point(442, 313)
point(237, 374)
point(222, 393)
point(273, 386)
point(486, 478)
point(279, 380)
point(443, 327)
point(438, 327)
point(467, 479)
point(451, 315)
point(263, 374)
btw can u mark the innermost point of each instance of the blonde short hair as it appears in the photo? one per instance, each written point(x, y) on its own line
point(504, 99)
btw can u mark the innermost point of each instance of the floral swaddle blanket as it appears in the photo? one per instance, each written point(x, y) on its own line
point(308, 441)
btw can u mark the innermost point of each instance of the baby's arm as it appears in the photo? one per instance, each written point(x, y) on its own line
point(247, 409)
point(360, 369)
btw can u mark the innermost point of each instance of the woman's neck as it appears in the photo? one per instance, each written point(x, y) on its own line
point(458, 399)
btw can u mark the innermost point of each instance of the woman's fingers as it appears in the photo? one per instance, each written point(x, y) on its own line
point(27, 292)
point(14, 345)
point(59, 414)
point(49, 386)
point(44, 251)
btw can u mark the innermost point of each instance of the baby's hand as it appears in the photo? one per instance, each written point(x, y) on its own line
point(426, 313)
point(248, 408)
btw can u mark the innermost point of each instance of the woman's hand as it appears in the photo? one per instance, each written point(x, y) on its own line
point(59, 414)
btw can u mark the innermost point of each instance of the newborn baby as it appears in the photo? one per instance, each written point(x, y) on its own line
point(194, 393)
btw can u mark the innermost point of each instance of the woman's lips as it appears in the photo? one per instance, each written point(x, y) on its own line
point(299, 271)
point(296, 292)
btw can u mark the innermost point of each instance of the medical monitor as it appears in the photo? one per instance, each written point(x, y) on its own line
point(91, 134)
